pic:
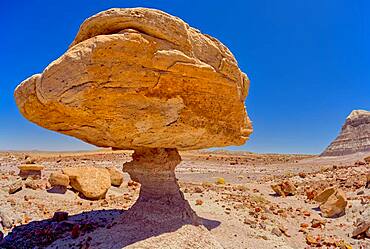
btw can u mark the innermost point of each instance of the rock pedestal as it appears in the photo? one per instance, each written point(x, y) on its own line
point(160, 197)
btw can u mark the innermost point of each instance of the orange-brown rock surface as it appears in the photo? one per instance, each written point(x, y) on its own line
point(141, 78)
point(92, 182)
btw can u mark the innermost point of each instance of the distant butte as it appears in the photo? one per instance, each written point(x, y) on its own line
point(354, 136)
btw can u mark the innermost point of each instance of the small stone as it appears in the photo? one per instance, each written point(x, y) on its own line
point(311, 240)
point(276, 231)
point(15, 187)
point(284, 188)
point(198, 190)
point(198, 202)
point(116, 176)
point(58, 179)
point(360, 163)
point(302, 174)
point(249, 221)
point(315, 223)
point(311, 193)
point(304, 225)
point(60, 216)
point(361, 192)
point(360, 229)
point(264, 237)
point(306, 213)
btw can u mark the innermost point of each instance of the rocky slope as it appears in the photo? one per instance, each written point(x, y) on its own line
point(354, 137)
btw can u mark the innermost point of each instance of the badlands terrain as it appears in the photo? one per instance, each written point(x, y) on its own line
point(230, 191)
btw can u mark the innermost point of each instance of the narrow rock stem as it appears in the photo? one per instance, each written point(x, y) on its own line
point(160, 197)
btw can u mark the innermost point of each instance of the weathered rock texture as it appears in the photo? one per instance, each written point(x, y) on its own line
point(137, 78)
point(93, 183)
point(354, 137)
point(160, 197)
point(116, 177)
point(141, 79)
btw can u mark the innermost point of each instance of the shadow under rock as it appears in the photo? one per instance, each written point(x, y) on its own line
point(113, 229)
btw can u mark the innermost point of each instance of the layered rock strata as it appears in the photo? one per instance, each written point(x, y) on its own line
point(354, 136)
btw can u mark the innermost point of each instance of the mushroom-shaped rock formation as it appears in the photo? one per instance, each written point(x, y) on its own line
point(142, 79)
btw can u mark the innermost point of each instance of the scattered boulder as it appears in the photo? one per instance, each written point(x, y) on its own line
point(92, 183)
point(5, 219)
point(367, 159)
point(335, 205)
point(116, 176)
point(284, 188)
point(58, 179)
point(8, 217)
point(324, 195)
point(368, 180)
point(36, 184)
point(15, 186)
point(30, 170)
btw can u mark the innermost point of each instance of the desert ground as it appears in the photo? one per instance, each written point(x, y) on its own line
point(230, 191)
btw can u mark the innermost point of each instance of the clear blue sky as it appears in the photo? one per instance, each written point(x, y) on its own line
point(308, 62)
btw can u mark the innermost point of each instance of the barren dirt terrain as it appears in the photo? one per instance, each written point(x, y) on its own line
point(230, 191)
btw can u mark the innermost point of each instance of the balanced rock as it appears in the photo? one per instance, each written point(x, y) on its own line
point(58, 179)
point(93, 183)
point(116, 176)
point(141, 78)
point(354, 137)
point(30, 170)
point(284, 188)
point(335, 205)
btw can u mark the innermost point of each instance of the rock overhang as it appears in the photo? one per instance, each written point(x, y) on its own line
point(141, 78)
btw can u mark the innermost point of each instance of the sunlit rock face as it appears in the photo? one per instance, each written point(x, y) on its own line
point(139, 77)
point(354, 136)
